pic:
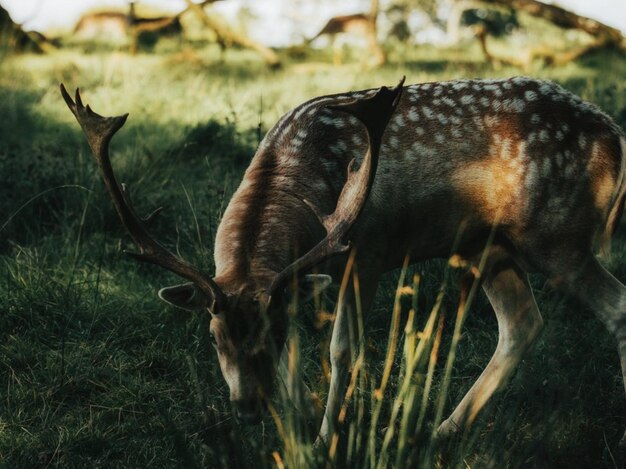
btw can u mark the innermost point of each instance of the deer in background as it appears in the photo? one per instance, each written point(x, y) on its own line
point(519, 173)
point(357, 25)
point(109, 24)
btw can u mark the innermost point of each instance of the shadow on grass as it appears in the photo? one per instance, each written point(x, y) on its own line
point(47, 173)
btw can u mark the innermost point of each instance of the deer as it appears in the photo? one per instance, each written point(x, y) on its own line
point(106, 23)
point(357, 25)
point(512, 176)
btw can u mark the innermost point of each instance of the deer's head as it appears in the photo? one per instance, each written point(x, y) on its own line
point(248, 324)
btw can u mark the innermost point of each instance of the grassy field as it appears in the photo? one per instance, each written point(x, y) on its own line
point(95, 371)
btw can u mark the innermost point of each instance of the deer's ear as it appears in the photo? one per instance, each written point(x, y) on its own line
point(185, 296)
point(309, 286)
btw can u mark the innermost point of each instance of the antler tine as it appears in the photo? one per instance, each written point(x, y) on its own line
point(99, 131)
point(374, 113)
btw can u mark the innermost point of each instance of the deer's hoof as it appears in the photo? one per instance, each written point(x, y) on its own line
point(447, 430)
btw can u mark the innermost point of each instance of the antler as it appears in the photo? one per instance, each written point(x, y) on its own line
point(374, 113)
point(99, 131)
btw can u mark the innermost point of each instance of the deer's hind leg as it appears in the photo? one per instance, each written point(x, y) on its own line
point(593, 285)
point(519, 322)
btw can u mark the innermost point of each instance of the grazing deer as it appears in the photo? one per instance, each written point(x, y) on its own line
point(358, 25)
point(102, 24)
point(519, 171)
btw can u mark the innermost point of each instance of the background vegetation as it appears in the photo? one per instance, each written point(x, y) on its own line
point(95, 371)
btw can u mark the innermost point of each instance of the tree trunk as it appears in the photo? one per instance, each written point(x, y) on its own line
point(16, 39)
point(380, 58)
point(227, 36)
point(604, 35)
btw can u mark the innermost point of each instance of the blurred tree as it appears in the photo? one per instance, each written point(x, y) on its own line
point(14, 38)
point(602, 34)
point(147, 31)
point(226, 36)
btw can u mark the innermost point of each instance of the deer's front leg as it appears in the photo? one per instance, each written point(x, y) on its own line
point(341, 353)
point(340, 362)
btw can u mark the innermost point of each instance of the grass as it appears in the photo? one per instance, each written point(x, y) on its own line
point(96, 371)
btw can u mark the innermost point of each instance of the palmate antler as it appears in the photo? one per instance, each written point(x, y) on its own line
point(374, 113)
point(99, 131)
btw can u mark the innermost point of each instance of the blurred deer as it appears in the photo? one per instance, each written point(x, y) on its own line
point(511, 176)
point(102, 24)
point(358, 25)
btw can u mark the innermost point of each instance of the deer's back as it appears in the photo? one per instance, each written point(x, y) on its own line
point(522, 153)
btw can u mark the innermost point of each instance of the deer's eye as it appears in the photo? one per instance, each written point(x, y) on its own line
point(213, 339)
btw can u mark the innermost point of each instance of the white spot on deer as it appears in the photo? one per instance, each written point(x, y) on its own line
point(437, 101)
point(442, 119)
point(413, 115)
point(419, 131)
point(530, 96)
point(439, 138)
point(399, 120)
point(394, 142)
point(337, 122)
point(357, 139)
point(484, 101)
point(546, 88)
point(505, 149)
point(544, 136)
point(582, 141)
point(495, 88)
point(507, 86)
point(565, 128)
point(426, 86)
point(338, 148)
point(532, 136)
point(467, 99)
point(560, 135)
point(456, 120)
point(514, 105)
point(423, 150)
point(448, 101)
point(478, 122)
point(490, 121)
point(535, 119)
point(521, 150)
point(531, 175)
point(353, 120)
point(558, 158)
point(438, 91)
point(456, 133)
point(521, 81)
point(428, 112)
point(460, 85)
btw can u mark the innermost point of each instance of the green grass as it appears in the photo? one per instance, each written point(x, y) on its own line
point(96, 371)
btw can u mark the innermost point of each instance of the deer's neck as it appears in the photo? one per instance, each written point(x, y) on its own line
point(266, 225)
